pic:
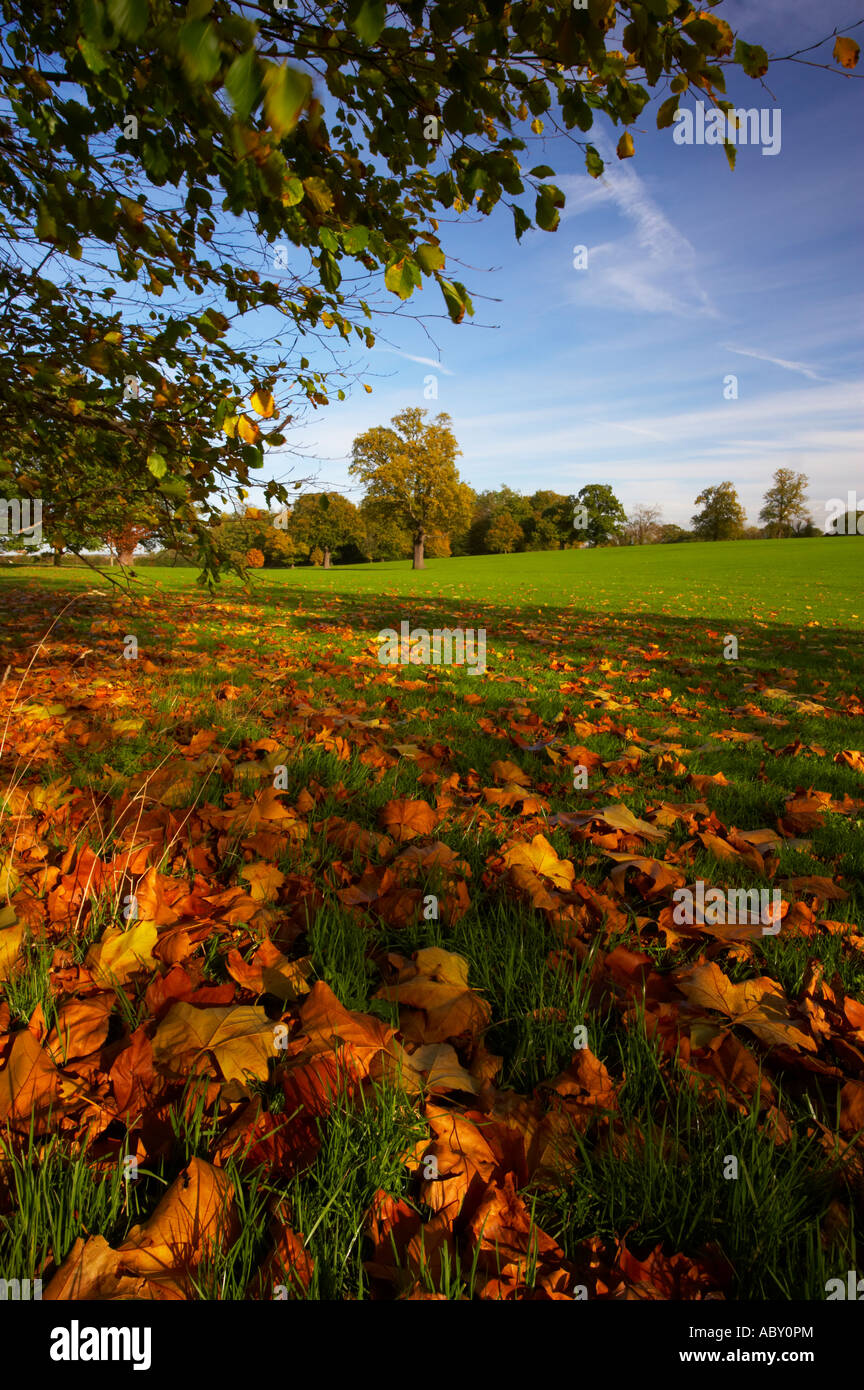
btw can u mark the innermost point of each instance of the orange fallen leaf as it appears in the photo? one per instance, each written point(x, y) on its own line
point(405, 820)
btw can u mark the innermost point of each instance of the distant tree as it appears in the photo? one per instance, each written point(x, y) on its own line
point(125, 535)
point(604, 517)
point(254, 528)
point(410, 469)
point(383, 538)
point(551, 523)
point(670, 534)
point(325, 520)
point(486, 506)
point(546, 535)
point(643, 524)
point(722, 517)
point(504, 534)
point(785, 506)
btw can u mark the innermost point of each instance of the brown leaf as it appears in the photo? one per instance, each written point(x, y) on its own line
point(759, 1005)
point(196, 1213)
point(405, 820)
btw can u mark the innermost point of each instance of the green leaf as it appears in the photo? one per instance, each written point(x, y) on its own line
point(752, 58)
point(92, 56)
point(549, 200)
point(521, 222)
point(211, 325)
point(199, 50)
point(286, 92)
point(243, 81)
point(593, 163)
point(129, 17)
point(369, 20)
point(157, 465)
point(402, 277)
point(355, 240)
point(46, 224)
point(666, 113)
point(456, 299)
point(292, 191)
point(429, 257)
point(320, 194)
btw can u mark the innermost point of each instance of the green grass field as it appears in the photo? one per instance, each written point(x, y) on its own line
point(612, 660)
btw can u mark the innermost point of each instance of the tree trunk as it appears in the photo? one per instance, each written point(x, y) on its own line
point(126, 559)
point(58, 554)
point(419, 558)
point(327, 557)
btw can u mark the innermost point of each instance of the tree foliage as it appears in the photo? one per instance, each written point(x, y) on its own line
point(169, 170)
point(325, 521)
point(409, 470)
point(722, 517)
point(598, 515)
point(785, 510)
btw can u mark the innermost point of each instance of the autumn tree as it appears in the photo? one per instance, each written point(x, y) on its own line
point(785, 509)
point(124, 537)
point(238, 534)
point(504, 534)
point(384, 539)
point(597, 515)
point(410, 471)
point(169, 183)
point(672, 534)
point(722, 517)
point(325, 521)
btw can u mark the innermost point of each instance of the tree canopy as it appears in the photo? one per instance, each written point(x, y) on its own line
point(722, 517)
point(410, 471)
point(170, 169)
point(597, 515)
point(785, 509)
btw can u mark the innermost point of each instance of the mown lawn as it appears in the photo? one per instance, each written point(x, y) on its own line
point(222, 861)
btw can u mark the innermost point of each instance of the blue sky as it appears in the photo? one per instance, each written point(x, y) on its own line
point(615, 373)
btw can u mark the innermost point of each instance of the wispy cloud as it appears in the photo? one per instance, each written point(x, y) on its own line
point(424, 361)
point(777, 361)
point(635, 429)
point(653, 269)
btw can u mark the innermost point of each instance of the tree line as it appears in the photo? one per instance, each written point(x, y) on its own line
point(415, 503)
point(173, 175)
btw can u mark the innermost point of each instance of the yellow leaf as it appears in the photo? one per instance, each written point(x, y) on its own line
point(263, 403)
point(11, 934)
point(121, 727)
point(247, 430)
point(846, 52)
point(625, 146)
point(238, 1038)
point(8, 876)
point(264, 880)
point(120, 953)
point(537, 126)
